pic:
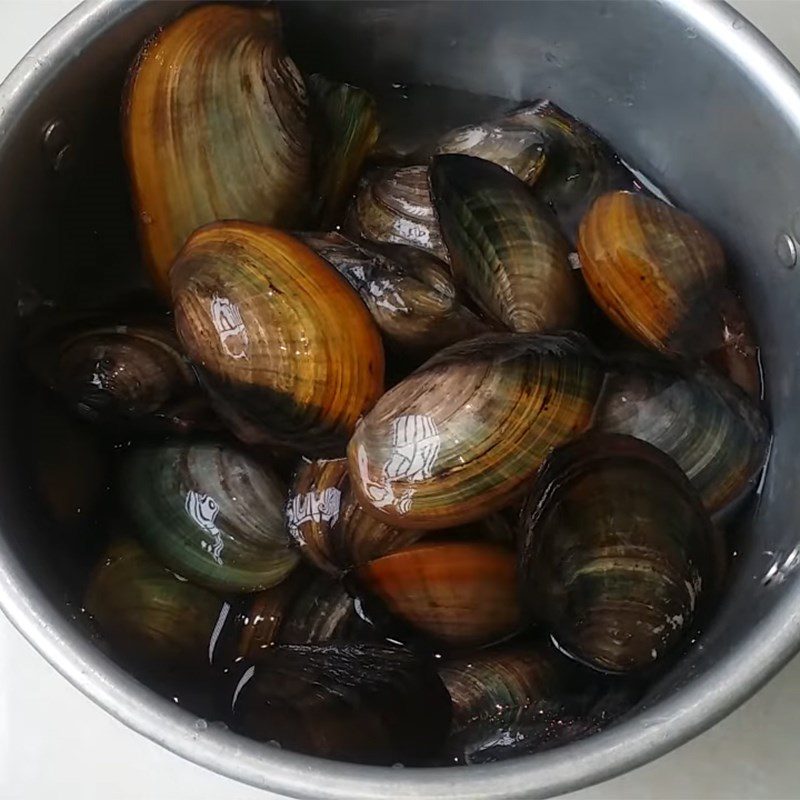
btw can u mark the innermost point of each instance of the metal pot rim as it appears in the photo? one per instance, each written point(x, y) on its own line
point(651, 733)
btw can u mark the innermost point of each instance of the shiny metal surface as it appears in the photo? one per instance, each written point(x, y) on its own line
point(687, 92)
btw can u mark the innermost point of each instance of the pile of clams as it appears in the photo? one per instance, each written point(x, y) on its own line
point(424, 462)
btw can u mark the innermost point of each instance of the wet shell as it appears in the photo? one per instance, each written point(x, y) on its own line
point(706, 424)
point(333, 531)
point(260, 315)
point(520, 699)
point(506, 250)
point(348, 119)
point(215, 123)
point(408, 291)
point(209, 512)
point(578, 165)
point(365, 703)
point(507, 142)
point(655, 271)
point(393, 205)
point(128, 373)
point(306, 608)
point(739, 357)
point(464, 434)
point(616, 552)
point(461, 594)
point(148, 614)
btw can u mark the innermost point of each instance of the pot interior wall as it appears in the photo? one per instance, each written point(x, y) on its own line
point(671, 105)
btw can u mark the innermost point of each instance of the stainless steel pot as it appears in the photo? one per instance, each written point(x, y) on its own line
point(687, 91)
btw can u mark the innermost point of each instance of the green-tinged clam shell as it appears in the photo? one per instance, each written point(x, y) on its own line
point(393, 205)
point(616, 552)
point(506, 250)
point(464, 434)
point(348, 119)
point(715, 433)
point(408, 291)
point(519, 699)
point(147, 613)
point(216, 126)
point(209, 512)
point(364, 703)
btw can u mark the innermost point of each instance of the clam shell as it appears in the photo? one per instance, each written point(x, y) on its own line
point(712, 430)
point(578, 166)
point(408, 291)
point(739, 357)
point(146, 613)
point(370, 704)
point(260, 315)
point(348, 118)
point(463, 435)
point(329, 525)
point(127, 372)
point(655, 271)
point(506, 250)
point(215, 124)
point(393, 205)
point(461, 594)
point(508, 142)
point(306, 608)
point(520, 699)
point(209, 512)
point(616, 553)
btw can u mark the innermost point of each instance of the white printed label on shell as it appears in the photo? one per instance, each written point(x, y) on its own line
point(317, 507)
point(228, 322)
point(203, 509)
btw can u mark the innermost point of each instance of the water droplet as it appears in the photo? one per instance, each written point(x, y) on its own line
point(145, 217)
point(275, 743)
point(552, 58)
point(453, 42)
point(691, 33)
point(56, 144)
point(738, 23)
point(628, 100)
point(200, 724)
point(786, 250)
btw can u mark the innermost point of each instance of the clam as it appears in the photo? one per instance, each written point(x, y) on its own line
point(708, 425)
point(505, 247)
point(408, 291)
point(520, 699)
point(509, 142)
point(464, 434)
point(655, 271)
point(261, 316)
point(739, 357)
point(617, 553)
point(306, 608)
point(329, 525)
point(393, 205)
point(216, 126)
point(148, 614)
point(209, 512)
point(578, 165)
point(365, 703)
point(348, 119)
point(461, 594)
point(128, 373)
